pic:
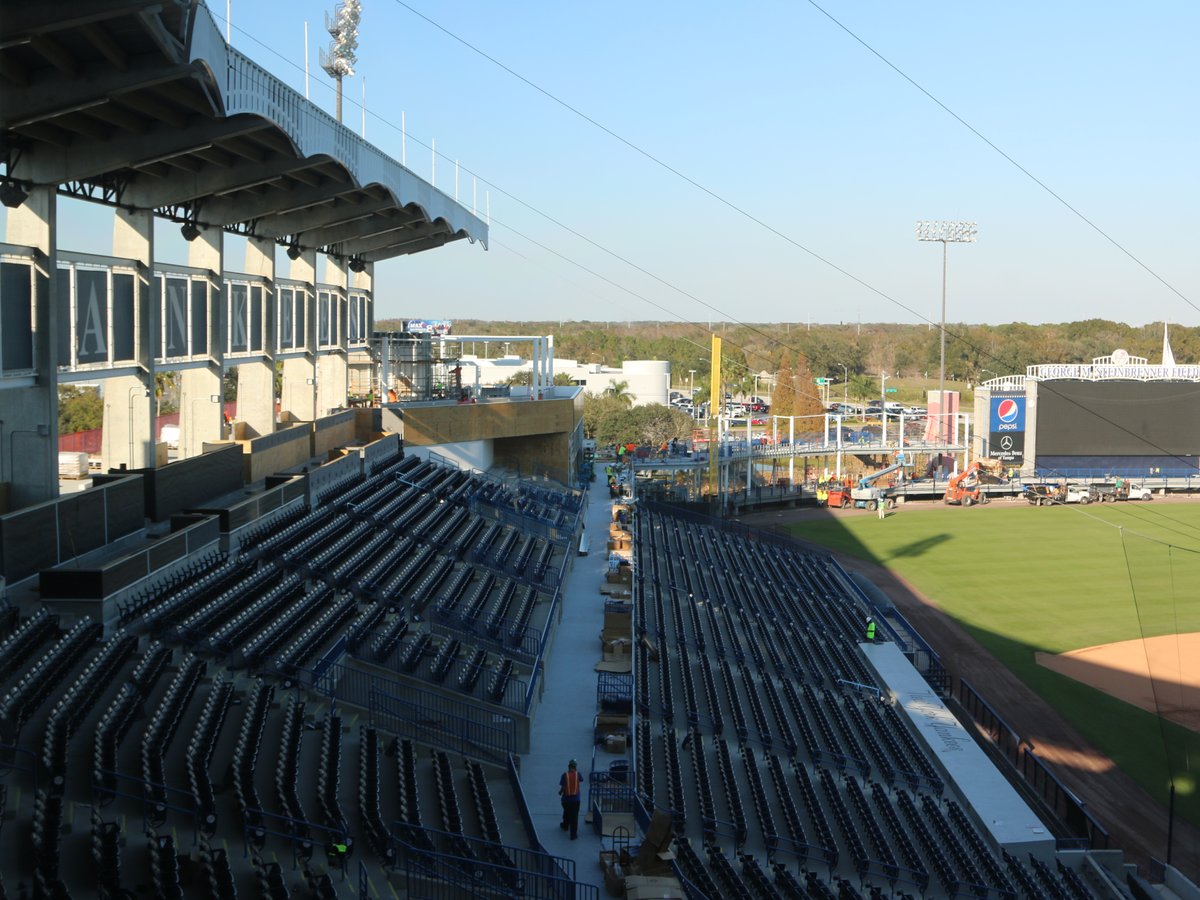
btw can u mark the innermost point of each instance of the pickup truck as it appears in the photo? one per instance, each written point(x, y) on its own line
point(1111, 492)
point(1046, 494)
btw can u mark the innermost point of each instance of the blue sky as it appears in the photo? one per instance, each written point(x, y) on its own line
point(781, 112)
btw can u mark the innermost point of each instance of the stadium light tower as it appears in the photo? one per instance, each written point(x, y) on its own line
point(339, 60)
point(946, 233)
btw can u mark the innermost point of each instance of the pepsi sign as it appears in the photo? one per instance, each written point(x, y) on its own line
point(1008, 414)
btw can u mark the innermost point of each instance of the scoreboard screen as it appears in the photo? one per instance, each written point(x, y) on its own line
point(1129, 418)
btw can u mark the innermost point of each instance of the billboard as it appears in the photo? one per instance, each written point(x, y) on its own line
point(1006, 428)
point(439, 327)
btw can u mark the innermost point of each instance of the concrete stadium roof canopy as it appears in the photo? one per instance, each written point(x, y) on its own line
point(142, 104)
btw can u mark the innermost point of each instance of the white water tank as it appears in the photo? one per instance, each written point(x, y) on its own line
point(649, 380)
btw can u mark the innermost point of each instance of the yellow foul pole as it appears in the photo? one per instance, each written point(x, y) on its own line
point(716, 402)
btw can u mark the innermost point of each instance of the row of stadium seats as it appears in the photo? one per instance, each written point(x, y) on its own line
point(161, 736)
point(772, 636)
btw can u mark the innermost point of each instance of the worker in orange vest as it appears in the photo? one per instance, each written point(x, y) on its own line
point(569, 789)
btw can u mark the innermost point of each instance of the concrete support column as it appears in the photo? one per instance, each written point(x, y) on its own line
point(298, 397)
point(129, 401)
point(541, 367)
point(256, 380)
point(200, 415)
point(29, 413)
point(534, 372)
point(363, 283)
point(334, 383)
point(128, 423)
point(550, 362)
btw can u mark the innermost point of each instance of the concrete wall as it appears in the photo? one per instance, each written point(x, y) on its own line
point(472, 454)
point(528, 436)
point(457, 423)
point(539, 456)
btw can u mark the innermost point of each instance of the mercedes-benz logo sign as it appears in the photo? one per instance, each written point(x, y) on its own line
point(1006, 443)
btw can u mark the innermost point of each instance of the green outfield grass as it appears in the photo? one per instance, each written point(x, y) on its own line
point(1029, 579)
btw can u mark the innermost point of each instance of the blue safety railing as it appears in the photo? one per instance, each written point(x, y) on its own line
point(425, 716)
point(439, 865)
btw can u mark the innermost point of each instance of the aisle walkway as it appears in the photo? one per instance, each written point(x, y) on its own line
point(563, 723)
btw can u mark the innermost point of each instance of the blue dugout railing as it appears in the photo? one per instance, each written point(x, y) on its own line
point(1070, 810)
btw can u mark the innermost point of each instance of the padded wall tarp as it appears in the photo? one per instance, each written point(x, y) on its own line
point(42, 536)
point(189, 483)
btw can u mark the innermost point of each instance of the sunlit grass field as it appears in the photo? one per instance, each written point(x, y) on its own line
point(1023, 579)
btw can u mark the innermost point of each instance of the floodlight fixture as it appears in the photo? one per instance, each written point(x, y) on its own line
point(293, 250)
point(12, 194)
point(358, 264)
point(945, 233)
point(189, 231)
point(339, 61)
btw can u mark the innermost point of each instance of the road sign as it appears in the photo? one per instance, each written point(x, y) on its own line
point(891, 391)
point(820, 381)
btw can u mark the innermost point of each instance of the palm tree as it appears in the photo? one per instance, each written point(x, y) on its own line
point(619, 390)
point(523, 378)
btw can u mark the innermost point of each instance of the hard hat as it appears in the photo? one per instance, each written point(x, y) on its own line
point(572, 765)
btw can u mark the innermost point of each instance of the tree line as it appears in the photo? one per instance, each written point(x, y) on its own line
point(973, 352)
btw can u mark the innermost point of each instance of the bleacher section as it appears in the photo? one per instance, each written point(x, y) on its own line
point(774, 745)
point(226, 737)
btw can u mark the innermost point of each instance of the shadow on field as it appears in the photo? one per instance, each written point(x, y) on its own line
point(919, 548)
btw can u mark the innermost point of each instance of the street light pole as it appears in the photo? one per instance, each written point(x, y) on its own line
point(945, 233)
